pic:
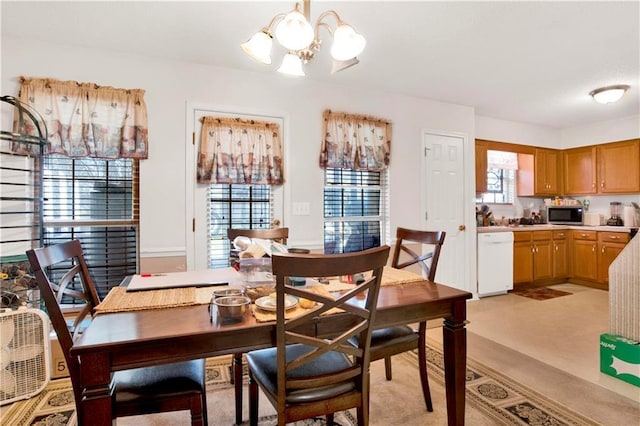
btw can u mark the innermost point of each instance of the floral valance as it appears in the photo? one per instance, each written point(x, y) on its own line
point(87, 120)
point(233, 150)
point(355, 142)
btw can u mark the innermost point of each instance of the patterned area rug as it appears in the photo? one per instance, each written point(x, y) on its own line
point(541, 293)
point(500, 399)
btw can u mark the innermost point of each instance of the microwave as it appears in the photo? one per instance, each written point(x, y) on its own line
point(565, 215)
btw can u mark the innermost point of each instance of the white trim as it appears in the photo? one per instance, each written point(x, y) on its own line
point(164, 252)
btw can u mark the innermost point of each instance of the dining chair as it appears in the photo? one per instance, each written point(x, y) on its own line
point(138, 391)
point(279, 235)
point(390, 341)
point(307, 375)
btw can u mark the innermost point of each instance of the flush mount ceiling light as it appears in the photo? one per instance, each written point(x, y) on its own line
point(609, 94)
point(294, 31)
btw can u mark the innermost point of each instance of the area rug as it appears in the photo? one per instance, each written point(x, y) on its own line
point(492, 399)
point(541, 293)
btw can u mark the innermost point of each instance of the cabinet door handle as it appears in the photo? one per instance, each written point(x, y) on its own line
point(593, 185)
point(602, 184)
point(614, 237)
point(593, 249)
point(603, 247)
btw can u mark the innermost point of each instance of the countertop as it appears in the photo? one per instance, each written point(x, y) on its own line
point(545, 227)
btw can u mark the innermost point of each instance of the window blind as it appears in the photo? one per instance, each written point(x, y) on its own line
point(235, 206)
point(95, 201)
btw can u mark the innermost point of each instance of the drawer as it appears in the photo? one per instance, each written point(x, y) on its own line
point(520, 236)
point(613, 237)
point(585, 235)
point(559, 235)
point(542, 235)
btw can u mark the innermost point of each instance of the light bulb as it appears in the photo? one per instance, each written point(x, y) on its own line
point(294, 32)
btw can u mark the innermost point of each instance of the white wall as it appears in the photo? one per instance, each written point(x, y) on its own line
point(494, 129)
point(602, 132)
point(170, 85)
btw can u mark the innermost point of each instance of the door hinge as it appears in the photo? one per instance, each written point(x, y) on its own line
point(425, 151)
point(193, 224)
point(193, 138)
point(426, 215)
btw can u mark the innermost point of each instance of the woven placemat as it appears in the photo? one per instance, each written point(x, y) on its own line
point(390, 276)
point(119, 300)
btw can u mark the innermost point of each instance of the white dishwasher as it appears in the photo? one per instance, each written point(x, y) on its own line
point(495, 263)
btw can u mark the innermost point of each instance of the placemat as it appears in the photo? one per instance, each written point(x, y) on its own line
point(390, 276)
point(119, 300)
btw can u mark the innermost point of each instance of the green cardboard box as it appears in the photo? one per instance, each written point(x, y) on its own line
point(620, 358)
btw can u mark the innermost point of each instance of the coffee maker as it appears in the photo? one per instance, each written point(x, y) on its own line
point(616, 214)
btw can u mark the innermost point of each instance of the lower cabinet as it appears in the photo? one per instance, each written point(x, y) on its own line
point(541, 256)
point(610, 244)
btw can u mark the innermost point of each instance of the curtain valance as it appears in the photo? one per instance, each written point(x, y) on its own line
point(234, 150)
point(87, 120)
point(355, 142)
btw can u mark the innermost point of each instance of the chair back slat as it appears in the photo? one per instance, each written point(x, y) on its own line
point(405, 236)
point(355, 308)
point(279, 235)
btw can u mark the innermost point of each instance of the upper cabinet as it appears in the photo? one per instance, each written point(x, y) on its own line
point(612, 168)
point(481, 167)
point(619, 167)
point(539, 174)
point(580, 170)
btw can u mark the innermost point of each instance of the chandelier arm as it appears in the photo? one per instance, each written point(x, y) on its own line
point(273, 21)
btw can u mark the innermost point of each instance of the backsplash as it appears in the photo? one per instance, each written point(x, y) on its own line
point(597, 204)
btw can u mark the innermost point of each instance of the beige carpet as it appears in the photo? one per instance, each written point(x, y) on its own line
point(492, 399)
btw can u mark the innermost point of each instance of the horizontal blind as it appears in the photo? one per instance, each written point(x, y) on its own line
point(95, 201)
point(353, 210)
point(235, 206)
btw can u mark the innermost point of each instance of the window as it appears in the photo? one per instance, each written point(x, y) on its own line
point(96, 201)
point(235, 206)
point(354, 210)
point(501, 177)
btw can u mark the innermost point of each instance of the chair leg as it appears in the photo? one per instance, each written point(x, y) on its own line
point(387, 367)
point(253, 401)
point(198, 411)
point(237, 382)
point(330, 419)
point(422, 362)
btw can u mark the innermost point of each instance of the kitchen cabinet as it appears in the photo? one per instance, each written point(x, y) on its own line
point(619, 167)
point(585, 255)
point(532, 256)
point(539, 174)
point(611, 168)
point(560, 255)
point(610, 244)
point(481, 167)
point(580, 170)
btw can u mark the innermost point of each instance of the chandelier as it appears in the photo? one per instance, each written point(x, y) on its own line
point(294, 31)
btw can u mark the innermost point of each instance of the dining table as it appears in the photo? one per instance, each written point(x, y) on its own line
point(134, 338)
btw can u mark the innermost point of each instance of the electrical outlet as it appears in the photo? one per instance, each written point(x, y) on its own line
point(301, 209)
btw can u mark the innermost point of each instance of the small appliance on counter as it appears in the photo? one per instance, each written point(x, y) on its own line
point(594, 219)
point(616, 214)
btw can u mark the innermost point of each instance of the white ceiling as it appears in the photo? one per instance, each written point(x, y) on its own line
point(533, 62)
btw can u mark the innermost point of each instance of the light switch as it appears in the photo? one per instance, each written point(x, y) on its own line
point(301, 209)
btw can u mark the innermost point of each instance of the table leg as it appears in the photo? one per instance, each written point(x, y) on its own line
point(95, 380)
point(454, 336)
point(237, 379)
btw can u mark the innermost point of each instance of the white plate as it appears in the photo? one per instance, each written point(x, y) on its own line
point(269, 304)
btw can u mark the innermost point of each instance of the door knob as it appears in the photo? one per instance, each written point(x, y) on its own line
point(461, 228)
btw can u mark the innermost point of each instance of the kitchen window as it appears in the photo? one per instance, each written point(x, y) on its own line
point(95, 201)
point(501, 178)
point(355, 210)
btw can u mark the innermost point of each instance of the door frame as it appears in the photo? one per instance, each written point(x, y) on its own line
point(468, 201)
point(191, 154)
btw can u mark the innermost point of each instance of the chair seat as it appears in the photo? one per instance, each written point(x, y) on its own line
point(168, 380)
point(263, 363)
point(390, 336)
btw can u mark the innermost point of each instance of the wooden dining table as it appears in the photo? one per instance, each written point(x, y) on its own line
point(124, 340)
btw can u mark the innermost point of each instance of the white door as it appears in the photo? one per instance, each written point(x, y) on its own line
point(196, 199)
point(443, 200)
